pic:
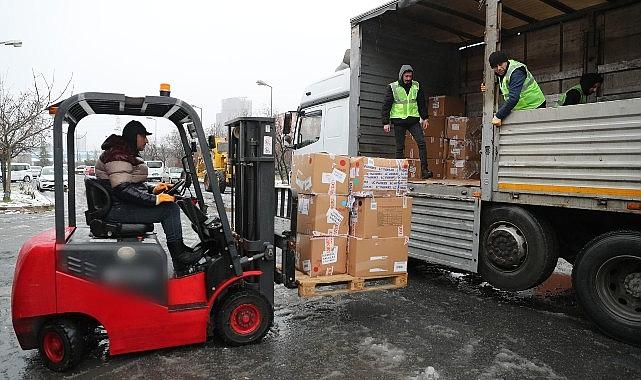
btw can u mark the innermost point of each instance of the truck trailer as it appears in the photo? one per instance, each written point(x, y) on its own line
point(554, 182)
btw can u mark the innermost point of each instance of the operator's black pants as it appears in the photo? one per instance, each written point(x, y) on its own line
point(417, 132)
point(168, 214)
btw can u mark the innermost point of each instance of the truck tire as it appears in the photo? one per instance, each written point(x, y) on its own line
point(517, 250)
point(222, 183)
point(62, 345)
point(243, 317)
point(607, 282)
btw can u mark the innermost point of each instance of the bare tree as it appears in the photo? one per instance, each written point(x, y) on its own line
point(282, 154)
point(23, 121)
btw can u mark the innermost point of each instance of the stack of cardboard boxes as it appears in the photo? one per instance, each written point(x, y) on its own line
point(380, 219)
point(439, 109)
point(464, 147)
point(373, 191)
point(322, 183)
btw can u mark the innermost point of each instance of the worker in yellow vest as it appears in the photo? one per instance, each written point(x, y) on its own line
point(518, 87)
point(404, 108)
point(589, 84)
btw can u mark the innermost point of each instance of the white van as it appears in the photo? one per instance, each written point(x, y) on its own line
point(156, 170)
point(21, 172)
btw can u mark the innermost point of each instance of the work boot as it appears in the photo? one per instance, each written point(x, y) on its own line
point(426, 173)
point(182, 256)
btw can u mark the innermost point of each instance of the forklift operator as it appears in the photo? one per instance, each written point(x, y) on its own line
point(133, 201)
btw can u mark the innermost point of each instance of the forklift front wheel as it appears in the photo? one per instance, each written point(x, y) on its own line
point(243, 317)
point(62, 345)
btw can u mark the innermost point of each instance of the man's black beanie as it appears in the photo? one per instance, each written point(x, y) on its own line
point(497, 58)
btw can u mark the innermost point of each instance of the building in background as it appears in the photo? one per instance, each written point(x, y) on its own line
point(232, 108)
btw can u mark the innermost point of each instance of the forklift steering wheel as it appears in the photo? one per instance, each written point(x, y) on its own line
point(178, 187)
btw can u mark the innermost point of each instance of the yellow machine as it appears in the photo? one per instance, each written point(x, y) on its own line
point(218, 148)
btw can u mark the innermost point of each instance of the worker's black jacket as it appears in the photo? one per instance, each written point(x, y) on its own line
point(389, 100)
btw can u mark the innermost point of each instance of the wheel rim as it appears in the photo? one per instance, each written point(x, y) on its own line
point(245, 319)
point(506, 247)
point(54, 347)
point(618, 283)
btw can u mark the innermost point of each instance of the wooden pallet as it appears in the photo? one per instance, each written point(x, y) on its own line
point(345, 283)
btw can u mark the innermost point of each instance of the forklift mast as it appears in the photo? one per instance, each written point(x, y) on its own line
point(251, 155)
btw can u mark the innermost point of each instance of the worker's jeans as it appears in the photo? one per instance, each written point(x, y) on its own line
point(168, 214)
point(417, 132)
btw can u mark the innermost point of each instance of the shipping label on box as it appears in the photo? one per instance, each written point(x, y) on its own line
point(445, 106)
point(321, 255)
point(377, 257)
point(464, 150)
point(462, 169)
point(378, 176)
point(463, 128)
point(322, 214)
point(381, 217)
point(320, 173)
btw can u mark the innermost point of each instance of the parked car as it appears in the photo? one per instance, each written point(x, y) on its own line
point(90, 171)
point(35, 170)
point(80, 169)
point(172, 175)
point(46, 180)
point(21, 172)
point(156, 170)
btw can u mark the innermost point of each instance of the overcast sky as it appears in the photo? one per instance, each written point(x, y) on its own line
point(206, 50)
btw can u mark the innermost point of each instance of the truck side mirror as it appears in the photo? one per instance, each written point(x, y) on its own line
point(287, 123)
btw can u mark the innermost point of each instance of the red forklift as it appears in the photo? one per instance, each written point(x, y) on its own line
point(74, 282)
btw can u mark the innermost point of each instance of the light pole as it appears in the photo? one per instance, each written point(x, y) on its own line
point(155, 127)
point(201, 113)
point(14, 43)
point(271, 108)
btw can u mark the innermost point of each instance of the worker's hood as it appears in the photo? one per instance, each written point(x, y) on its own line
point(402, 71)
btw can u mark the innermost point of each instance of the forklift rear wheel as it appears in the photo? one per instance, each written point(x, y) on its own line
point(243, 317)
point(62, 345)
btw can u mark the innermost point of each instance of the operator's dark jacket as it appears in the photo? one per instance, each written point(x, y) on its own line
point(125, 171)
point(389, 100)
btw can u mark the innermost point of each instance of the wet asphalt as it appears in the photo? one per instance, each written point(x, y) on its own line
point(444, 325)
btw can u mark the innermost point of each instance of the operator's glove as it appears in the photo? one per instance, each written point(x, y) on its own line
point(162, 187)
point(160, 198)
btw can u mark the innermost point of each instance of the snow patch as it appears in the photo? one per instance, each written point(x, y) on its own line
point(384, 353)
point(508, 364)
point(25, 196)
point(564, 267)
point(429, 374)
point(442, 331)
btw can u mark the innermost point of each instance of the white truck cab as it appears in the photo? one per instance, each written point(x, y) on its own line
point(323, 114)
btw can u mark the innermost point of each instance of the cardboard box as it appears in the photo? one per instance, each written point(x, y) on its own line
point(377, 257)
point(462, 169)
point(320, 173)
point(434, 147)
point(381, 217)
point(464, 150)
point(445, 106)
point(322, 215)
point(378, 176)
point(321, 256)
point(436, 166)
point(463, 128)
point(437, 126)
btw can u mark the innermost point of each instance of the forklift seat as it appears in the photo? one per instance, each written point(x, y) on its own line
point(99, 204)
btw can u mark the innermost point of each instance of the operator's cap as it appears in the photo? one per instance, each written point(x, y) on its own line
point(133, 128)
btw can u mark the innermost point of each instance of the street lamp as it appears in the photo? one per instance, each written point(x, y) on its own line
point(271, 108)
point(14, 43)
point(201, 113)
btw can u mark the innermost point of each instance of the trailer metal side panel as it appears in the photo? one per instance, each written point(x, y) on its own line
point(445, 226)
point(591, 150)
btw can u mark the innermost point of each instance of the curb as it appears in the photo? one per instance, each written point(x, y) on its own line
point(27, 208)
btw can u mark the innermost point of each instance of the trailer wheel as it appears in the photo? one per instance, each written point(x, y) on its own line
point(243, 317)
point(518, 250)
point(62, 345)
point(607, 281)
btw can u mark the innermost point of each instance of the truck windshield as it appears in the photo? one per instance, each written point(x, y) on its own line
point(223, 147)
point(154, 164)
point(310, 128)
